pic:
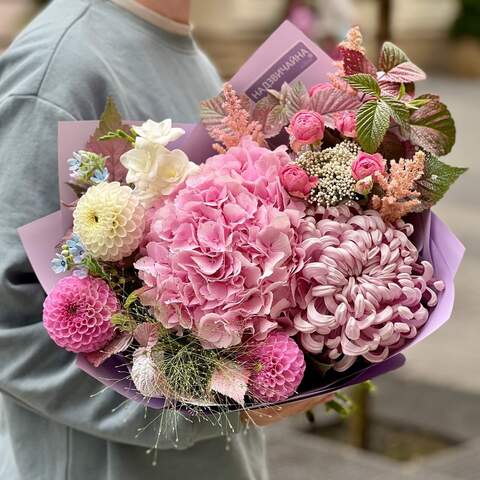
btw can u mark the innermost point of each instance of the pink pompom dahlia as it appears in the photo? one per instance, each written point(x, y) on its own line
point(77, 314)
point(277, 365)
point(221, 251)
point(363, 291)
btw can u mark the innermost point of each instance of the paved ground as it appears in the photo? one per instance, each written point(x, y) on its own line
point(440, 384)
point(451, 356)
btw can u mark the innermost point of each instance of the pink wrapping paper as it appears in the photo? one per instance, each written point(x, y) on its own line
point(288, 55)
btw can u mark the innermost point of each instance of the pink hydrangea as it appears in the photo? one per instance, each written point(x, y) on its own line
point(277, 367)
point(222, 251)
point(77, 314)
point(363, 292)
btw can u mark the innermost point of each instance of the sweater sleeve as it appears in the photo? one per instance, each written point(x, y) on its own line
point(34, 371)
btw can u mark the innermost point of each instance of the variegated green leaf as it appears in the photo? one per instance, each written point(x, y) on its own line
point(364, 83)
point(405, 72)
point(373, 120)
point(261, 112)
point(297, 99)
point(432, 127)
point(398, 111)
point(391, 56)
point(438, 177)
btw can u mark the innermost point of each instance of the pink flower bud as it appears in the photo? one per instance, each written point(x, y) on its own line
point(367, 164)
point(296, 181)
point(364, 186)
point(306, 127)
point(345, 123)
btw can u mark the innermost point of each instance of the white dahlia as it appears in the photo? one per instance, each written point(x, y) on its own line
point(109, 219)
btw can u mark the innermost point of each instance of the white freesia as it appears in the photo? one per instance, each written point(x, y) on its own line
point(155, 170)
point(158, 133)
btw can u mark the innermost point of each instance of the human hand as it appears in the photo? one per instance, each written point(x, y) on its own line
point(262, 417)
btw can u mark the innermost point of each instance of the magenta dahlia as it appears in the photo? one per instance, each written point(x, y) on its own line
point(363, 292)
point(277, 365)
point(77, 314)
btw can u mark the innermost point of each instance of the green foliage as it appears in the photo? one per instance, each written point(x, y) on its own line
point(113, 146)
point(364, 82)
point(341, 404)
point(438, 177)
point(373, 120)
point(391, 56)
point(124, 323)
point(296, 99)
point(432, 126)
point(398, 110)
point(132, 298)
point(110, 119)
point(120, 134)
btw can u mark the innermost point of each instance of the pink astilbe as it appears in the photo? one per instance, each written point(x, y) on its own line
point(363, 291)
point(236, 124)
point(398, 185)
point(353, 40)
point(352, 45)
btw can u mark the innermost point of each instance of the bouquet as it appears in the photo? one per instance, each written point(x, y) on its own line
point(281, 249)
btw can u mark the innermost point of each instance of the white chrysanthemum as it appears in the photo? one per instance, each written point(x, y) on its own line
point(158, 133)
point(109, 219)
point(156, 171)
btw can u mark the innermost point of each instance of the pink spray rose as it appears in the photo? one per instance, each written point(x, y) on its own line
point(367, 164)
point(296, 181)
point(345, 123)
point(307, 127)
point(318, 87)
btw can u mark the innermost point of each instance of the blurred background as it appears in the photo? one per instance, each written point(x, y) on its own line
point(423, 422)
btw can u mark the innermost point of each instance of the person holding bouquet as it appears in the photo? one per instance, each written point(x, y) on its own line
point(55, 423)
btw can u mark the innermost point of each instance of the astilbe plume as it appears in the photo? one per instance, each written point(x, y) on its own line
point(400, 196)
point(236, 124)
point(354, 40)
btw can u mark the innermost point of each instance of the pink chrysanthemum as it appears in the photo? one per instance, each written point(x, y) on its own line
point(362, 290)
point(77, 314)
point(221, 251)
point(277, 365)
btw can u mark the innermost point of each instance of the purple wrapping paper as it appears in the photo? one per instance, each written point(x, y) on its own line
point(288, 55)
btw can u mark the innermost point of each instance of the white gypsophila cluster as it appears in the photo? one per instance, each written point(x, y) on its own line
point(333, 168)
